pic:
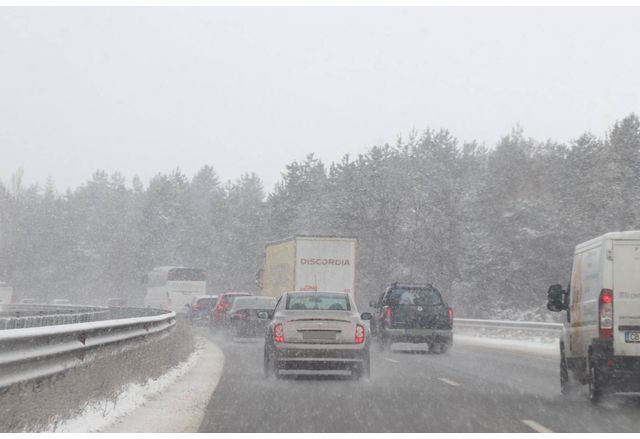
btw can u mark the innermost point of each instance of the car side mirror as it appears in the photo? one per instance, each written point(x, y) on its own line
point(555, 298)
point(372, 303)
point(366, 316)
point(263, 315)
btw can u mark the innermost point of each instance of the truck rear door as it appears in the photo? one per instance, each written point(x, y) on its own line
point(626, 297)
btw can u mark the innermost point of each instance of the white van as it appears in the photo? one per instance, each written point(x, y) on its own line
point(600, 343)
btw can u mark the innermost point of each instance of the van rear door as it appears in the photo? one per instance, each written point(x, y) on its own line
point(626, 298)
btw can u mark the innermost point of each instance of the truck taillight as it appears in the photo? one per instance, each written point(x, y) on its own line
point(278, 333)
point(450, 315)
point(605, 311)
point(359, 333)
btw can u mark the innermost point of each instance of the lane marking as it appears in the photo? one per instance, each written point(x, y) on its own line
point(391, 359)
point(451, 383)
point(535, 426)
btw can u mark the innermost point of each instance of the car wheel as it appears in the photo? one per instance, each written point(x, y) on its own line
point(366, 366)
point(269, 367)
point(444, 347)
point(595, 384)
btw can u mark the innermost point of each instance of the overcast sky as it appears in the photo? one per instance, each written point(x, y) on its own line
point(146, 90)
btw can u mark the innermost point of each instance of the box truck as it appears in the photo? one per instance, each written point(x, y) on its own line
point(309, 263)
point(600, 343)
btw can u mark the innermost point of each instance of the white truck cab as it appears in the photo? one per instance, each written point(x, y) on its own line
point(600, 343)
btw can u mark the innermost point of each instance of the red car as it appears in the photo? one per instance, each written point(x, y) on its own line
point(225, 300)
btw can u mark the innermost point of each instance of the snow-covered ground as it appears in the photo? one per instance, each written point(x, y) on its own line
point(175, 402)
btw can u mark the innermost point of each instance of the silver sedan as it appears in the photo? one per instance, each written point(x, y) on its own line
point(316, 330)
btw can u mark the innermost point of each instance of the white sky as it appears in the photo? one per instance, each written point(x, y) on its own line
point(146, 90)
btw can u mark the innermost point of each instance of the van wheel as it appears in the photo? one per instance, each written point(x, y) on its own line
point(595, 384)
point(566, 385)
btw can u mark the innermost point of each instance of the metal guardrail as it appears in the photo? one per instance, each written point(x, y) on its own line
point(508, 324)
point(37, 352)
point(31, 316)
point(18, 317)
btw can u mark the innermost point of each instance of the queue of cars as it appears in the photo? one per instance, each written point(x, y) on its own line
point(315, 330)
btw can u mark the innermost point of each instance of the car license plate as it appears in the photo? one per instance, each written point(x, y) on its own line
point(632, 337)
point(319, 335)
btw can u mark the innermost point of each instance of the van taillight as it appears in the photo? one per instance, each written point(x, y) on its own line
point(450, 315)
point(359, 333)
point(605, 311)
point(278, 333)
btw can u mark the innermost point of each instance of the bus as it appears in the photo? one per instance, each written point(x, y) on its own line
point(6, 294)
point(173, 288)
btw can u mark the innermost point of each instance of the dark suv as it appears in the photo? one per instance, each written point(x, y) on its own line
point(414, 314)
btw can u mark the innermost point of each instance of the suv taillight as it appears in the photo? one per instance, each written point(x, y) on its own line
point(278, 333)
point(359, 333)
point(450, 315)
point(387, 315)
point(605, 311)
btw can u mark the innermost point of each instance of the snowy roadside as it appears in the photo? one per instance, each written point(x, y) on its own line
point(174, 402)
point(547, 349)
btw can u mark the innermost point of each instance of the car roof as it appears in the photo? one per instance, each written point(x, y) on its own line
point(408, 285)
point(245, 298)
point(317, 292)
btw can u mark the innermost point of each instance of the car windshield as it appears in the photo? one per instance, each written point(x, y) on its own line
point(264, 303)
point(207, 301)
point(414, 296)
point(318, 301)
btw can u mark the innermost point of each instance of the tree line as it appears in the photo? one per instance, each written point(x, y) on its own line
point(490, 227)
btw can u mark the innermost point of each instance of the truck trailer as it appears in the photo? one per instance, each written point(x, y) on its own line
point(309, 263)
